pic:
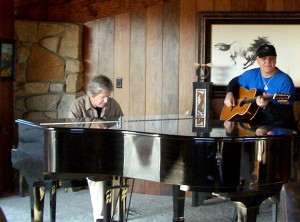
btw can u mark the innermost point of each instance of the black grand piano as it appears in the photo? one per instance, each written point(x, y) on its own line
point(244, 163)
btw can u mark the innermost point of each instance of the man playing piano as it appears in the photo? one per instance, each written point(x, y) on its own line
point(97, 103)
point(266, 80)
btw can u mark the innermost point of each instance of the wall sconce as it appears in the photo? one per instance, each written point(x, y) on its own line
point(202, 71)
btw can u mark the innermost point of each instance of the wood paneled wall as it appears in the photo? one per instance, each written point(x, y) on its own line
point(154, 50)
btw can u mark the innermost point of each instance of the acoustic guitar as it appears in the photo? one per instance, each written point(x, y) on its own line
point(246, 104)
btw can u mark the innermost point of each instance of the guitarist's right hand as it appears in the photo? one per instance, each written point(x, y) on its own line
point(229, 100)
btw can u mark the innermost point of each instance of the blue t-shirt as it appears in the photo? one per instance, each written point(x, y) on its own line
point(278, 83)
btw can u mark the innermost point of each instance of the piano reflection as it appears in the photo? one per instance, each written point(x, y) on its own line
point(246, 166)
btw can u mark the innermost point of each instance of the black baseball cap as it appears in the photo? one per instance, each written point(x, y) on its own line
point(266, 50)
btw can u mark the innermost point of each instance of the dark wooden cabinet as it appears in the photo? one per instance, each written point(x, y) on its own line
point(6, 173)
point(6, 102)
point(6, 135)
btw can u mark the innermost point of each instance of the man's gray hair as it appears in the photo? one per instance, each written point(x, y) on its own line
point(98, 84)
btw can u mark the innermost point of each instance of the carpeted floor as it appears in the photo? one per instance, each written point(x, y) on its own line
point(76, 206)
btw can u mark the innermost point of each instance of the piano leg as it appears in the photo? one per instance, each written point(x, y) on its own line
point(110, 199)
point(198, 198)
point(21, 182)
point(244, 213)
point(37, 198)
point(274, 209)
point(107, 201)
point(123, 195)
point(248, 206)
point(53, 188)
point(121, 216)
point(178, 204)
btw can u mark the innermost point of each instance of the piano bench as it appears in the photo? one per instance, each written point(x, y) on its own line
point(73, 184)
point(290, 202)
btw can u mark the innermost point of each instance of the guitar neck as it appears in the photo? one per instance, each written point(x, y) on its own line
point(253, 99)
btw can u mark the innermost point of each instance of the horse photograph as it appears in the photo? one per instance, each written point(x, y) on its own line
point(233, 50)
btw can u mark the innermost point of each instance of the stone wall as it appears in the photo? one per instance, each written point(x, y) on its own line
point(49, 72)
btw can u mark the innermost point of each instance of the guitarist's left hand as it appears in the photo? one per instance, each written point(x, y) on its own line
point(261, 102)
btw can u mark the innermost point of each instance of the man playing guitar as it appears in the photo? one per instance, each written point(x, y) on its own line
point(265, 80)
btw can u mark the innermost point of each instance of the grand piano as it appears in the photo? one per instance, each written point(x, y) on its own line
point(244, 163)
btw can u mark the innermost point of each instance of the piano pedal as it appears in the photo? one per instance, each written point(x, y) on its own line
point(72, 189)
point(132, 213)
point(220, 196)
point(76, 189)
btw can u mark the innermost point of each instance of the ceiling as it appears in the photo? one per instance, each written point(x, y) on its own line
point(80, 11)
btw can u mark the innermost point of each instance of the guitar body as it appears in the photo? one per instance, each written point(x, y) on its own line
point(242, 108)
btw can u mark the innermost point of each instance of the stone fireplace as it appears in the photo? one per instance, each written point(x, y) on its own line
point(49, 72)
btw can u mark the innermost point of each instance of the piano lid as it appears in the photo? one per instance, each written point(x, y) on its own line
point(173, 125)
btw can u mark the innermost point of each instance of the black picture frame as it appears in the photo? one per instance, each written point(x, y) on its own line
point(206, 25)
point(7, 60)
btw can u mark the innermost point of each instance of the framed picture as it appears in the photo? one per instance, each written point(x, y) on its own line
point(229, 41)
point(201, 106)
point(7, 64)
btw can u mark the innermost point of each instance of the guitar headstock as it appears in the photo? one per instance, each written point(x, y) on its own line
point(282, 97)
